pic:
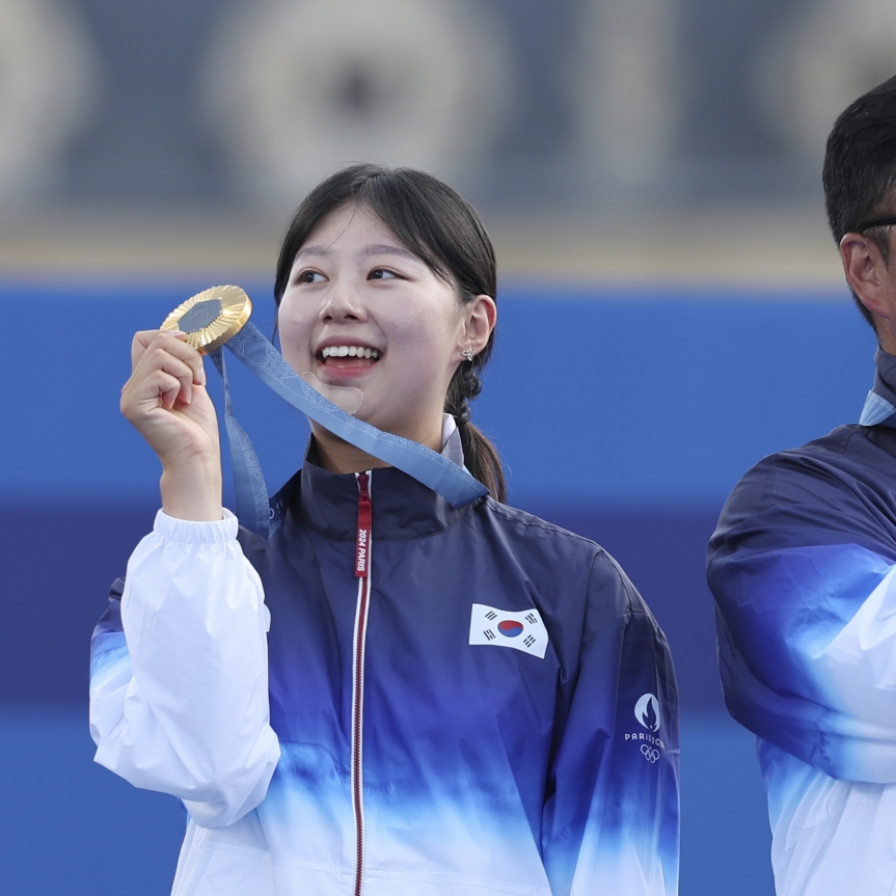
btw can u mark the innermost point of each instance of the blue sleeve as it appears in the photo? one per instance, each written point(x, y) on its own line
point(803, 576)
point(611, 820)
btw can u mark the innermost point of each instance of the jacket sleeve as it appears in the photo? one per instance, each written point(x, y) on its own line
point(806, 610)
point(179, 680)
point(611, 820)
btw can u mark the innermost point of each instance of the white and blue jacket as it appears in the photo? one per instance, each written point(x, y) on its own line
point(393, 696)
point(803, 569)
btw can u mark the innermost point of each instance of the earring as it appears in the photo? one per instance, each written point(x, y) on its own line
point(468, 354)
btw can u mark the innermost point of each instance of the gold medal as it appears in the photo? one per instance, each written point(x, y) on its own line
point(211, 317)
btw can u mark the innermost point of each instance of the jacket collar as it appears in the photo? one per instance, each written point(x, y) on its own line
point(880, 405)
point(402, 507)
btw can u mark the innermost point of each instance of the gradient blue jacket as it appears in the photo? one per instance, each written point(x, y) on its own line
point(803, 569)
point(486, 707)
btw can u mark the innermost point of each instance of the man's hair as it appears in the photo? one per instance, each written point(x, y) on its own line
point(860, 169)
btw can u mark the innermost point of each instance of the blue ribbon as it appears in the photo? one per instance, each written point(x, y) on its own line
point(253, 507)
point(253, 510)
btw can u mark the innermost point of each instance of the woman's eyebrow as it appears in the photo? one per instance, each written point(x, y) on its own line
point(387, 249)
point(312, 250)
point(366, 252)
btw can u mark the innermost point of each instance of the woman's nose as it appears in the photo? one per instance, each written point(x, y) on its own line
point(341, 304)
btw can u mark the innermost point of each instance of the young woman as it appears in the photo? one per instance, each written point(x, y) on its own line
point(488, 708)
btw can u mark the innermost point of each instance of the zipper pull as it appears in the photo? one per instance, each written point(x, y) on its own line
point(365, 525)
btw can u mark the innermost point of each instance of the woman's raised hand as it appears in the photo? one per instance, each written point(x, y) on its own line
point(166, 400)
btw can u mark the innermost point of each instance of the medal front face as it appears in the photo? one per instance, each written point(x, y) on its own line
point(211, 317)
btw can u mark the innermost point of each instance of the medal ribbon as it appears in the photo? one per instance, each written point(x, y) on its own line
point(253, 509)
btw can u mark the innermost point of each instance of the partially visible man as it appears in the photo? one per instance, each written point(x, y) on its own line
point(803, 569)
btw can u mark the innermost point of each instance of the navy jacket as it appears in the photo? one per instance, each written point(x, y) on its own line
point(488, 708)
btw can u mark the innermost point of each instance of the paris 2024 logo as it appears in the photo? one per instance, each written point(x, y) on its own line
point(647, 714)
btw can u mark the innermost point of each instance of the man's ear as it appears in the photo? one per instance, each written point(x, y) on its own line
point(867, 273)
point(482, 314)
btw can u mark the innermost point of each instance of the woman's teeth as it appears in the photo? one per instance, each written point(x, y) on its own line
point(350, 351)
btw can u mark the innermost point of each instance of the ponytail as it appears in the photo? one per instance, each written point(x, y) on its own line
point(480, 455)
point(481, 459)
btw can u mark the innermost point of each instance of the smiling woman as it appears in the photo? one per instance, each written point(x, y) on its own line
point(329, 702)
point(403, 266)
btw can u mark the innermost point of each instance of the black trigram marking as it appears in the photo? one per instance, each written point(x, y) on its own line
point(491, 615)
point(529, 641)
point(489, 634)
point(531, 618)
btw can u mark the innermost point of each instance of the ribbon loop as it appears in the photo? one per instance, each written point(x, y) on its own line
point(450, 480)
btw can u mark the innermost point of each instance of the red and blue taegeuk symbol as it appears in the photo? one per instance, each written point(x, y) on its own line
point(510, 628)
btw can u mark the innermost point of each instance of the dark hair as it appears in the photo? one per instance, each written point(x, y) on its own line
point(860, 168)
point(442, 229)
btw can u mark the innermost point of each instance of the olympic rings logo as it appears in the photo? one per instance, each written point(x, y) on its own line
point(650, 753)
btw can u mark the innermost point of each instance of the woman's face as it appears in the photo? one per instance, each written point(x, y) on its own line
point(360, 310)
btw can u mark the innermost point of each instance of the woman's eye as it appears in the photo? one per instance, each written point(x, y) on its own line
point(382, 274)
point(310, 277)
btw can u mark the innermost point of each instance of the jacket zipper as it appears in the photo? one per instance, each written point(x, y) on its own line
point(362, 571)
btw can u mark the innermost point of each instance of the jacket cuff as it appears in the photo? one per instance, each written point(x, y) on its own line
point(193, 532)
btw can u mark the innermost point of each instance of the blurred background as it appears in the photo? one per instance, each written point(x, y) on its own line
point(672, 309)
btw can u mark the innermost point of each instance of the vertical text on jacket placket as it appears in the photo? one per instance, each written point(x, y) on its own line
point(362, 572)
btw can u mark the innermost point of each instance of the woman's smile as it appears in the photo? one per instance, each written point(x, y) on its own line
point(347, 359)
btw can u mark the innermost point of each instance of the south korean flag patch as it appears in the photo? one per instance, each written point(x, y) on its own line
point(500, 628)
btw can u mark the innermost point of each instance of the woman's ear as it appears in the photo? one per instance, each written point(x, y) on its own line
point(481, 316)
